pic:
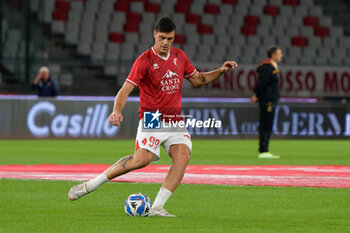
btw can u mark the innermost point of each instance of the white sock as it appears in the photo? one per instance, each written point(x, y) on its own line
point(96, 182)
point(162, 196)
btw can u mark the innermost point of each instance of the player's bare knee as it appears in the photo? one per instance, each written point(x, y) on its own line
point(143, 157)
point(182, 157)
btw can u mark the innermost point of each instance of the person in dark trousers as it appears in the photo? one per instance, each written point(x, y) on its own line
point(267, 94)
point(44, 84)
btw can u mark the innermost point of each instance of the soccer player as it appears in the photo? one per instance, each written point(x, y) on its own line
point(159, 73)
point(267, 93)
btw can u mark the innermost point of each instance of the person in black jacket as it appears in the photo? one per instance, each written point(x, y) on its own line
point(267, 94)
point(44, 84)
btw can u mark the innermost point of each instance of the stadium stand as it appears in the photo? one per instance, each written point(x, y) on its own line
point(120, 30)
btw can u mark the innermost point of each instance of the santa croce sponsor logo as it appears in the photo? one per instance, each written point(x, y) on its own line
point(170, 82)
point(94, 123)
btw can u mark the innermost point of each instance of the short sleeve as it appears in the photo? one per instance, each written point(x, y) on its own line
point(189, 69)
point(138, 71)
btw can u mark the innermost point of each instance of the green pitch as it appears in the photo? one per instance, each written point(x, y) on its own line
point(43, 206)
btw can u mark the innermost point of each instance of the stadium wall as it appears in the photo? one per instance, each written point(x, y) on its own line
point(87, 117)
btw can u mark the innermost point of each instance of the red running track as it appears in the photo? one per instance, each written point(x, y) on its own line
point(271, 175)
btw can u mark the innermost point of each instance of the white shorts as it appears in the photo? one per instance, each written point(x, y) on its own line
point(152, 141)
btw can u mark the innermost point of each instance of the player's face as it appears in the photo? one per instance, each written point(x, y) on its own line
point(277, 56)
point(163, 41)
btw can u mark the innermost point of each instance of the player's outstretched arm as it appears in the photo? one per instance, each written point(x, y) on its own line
point(116, 116)
point(204, 78)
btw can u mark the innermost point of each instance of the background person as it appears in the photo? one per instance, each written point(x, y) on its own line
point(267, 93)
point(44, 84)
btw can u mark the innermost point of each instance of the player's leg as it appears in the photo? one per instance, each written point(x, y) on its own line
point(265, 129)
point(141, 158)
point(180, 154)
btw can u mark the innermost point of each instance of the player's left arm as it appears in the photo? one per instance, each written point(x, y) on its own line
point(204, 78)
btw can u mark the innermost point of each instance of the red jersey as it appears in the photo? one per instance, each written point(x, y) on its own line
point(160, 81)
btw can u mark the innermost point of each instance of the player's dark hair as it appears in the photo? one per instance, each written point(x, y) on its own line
point(271, 50)
point(164, 24)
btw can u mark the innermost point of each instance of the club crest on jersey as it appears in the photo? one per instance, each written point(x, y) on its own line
point(155, 66)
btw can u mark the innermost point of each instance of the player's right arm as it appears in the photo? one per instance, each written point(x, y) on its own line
point(116, 116)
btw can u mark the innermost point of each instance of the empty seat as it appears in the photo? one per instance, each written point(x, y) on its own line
point(290, 60)
point(220, 29)
point(324, 52)
point(314, 42)
point(219, 54)
point(306, 31)
point(336, 61)
point(256, 10)
point(97, 51)
point(58, 27)
point(239, 40)
point(266, 20)
point(284, 41)
point(224, 40)
point(339, 52)
point(119, 17)
point(208, 40)
point(316, 11)
point(193, 39)
point(326, 21)
point(344, 42)
point(263, 30)
point(74, 16)
point(311, 21)
point(77, 6)
point(233, 30)
point(292, 31)
point(208, 19)
point(300, 11)
point(84, 48)
point(286, 11)
point(271, 10)
point(226, 10)
point(236, 20)
point(295, 22)
point(254, 41)
point(268, 40)
point(137, 7)
point(233, 53)
point(299, 41)
point(241, 10)
point(276, 2)
point(281, 21)
point(222, 19)
point(309, 52)
point(127, 51)
point(336, 32)
point(306, 60)
point(329, 42)
point(321, 60)
point(293, 52)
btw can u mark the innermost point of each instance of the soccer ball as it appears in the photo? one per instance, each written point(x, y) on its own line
point(137, 204)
